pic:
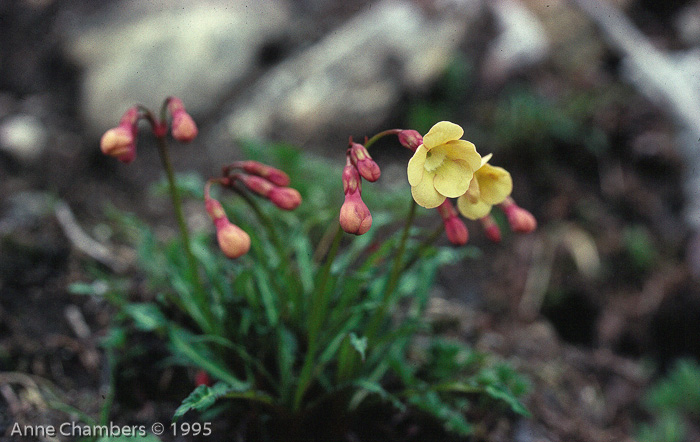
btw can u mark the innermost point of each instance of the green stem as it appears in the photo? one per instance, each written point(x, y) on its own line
point(319, 307)
point(380, 313)
point(380, 135)
point(200, 294)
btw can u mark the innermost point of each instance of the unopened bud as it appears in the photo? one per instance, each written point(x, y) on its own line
point(275, 176)
point(214, 209)
point(120, 141)
point(455, 228)
point(366, 166)
point(233, 240)
point(456, 231)
point(285, 198)
point(491, 230)
point(184, 128)
point(355, 217)
point(257, 184)
point(520, 220)
point(410, 138)
point(351, 179)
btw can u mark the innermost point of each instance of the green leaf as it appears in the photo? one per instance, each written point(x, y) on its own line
point(203, 397)
point(183, 343)
point(146, 316)
point(359, 344)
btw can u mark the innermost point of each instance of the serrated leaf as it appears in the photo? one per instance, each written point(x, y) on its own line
point(203, 397)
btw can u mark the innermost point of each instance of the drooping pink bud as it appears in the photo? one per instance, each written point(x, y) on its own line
point(410, 139)
point(355, 217)
point(184, 128)
point(257, 184)
point(493, 233)
point(520, 220)
point(214, 208)
point(233, 240)
point(366, 166)
point(285, 198)
point(275, 176)
point(120, 141)
point(455, 228)
point(351, 178)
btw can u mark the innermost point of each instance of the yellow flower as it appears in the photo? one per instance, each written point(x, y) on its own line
point(491, 185)
point(442, 166)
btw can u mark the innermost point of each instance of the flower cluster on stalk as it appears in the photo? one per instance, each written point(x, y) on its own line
point(443, 166)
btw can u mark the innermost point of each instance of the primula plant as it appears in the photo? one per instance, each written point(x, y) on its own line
point(295, 326)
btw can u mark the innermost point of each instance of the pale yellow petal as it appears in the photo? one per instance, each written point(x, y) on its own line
point(441, 133)
point(425, 194)
point(471, 210)
point(416, 166)
point(452, 178)
point(462, 150)
point(485, 159)
point(495, 184)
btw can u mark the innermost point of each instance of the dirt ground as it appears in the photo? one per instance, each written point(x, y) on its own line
point(592, 331)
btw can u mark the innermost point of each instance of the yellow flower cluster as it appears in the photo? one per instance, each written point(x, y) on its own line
point(445, 166)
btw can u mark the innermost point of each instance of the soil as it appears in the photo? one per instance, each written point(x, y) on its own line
point(585, 337)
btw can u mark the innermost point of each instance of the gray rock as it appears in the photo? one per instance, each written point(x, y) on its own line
point(349, 80)
point(23, 137)
point(144, 51)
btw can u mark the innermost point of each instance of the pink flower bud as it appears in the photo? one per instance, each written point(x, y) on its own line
point(214, 208)
point(410, 138)
point(355, 217)
point(456, 231)
point(120, 142)
point(257, 184)
point(275, 176)
point(455, 228)
point(184, 128)
point(493, 233)
point(285, 198)
point(520, 220)
point(351, 179)
point(366, 166)
point(233, 241)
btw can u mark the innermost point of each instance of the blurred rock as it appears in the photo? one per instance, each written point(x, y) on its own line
point(23, 137)
point(522, 41)
point(144, 51)
point(348, 81)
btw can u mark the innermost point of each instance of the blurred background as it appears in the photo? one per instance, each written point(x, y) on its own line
point(592, 105)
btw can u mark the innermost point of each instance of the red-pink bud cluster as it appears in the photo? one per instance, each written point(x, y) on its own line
point(364, 163)
point(354, 217)
point(285, 198)
point(233, 240)
point(455, 228)
point(184, 128)
point(275, 176)
point(120, 141)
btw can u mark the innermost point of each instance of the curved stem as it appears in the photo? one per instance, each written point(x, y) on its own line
point(380, 135)
point(204, 313)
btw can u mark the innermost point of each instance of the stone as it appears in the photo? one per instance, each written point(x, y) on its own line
point(142, 52)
